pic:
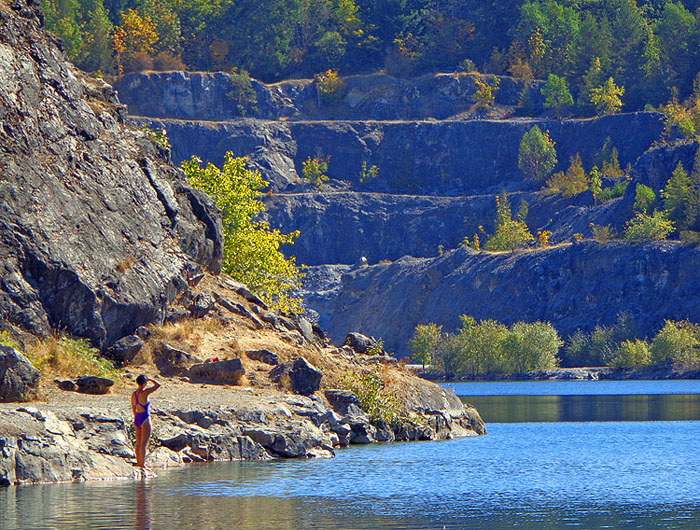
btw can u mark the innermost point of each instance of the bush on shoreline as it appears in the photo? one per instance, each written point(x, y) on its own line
point(488, 347)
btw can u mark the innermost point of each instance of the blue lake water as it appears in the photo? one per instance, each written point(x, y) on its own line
point(530, 475)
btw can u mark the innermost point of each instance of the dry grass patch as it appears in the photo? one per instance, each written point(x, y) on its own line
point(69, 357)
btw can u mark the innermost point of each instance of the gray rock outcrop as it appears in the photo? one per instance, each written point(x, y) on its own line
point(19, 380)
point(97, 228)
point(92, 384)
point(573, 286)
point(63, 443)
point(442, 158)
point(221, 372)
point(304, 378)
point(208, 96)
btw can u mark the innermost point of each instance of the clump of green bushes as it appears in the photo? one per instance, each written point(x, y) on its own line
point(487, 347)
point(678, 343)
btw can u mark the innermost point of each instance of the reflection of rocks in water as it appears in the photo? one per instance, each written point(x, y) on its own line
point(144, 495)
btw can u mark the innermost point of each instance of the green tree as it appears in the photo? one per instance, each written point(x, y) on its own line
point(425, 342)
point(531, 346)
point(596, 186)
point(607, 97)
point(631, 354)
point(510, 234)
point(571, 183)
point(537, 156)
point(677, 342)
point(480, 346)
point(645, 199)
point(557, 95)
point(643, 227)
point(679, 198)
point(251, 248)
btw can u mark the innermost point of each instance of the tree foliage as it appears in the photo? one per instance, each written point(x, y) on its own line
point(425, 342)
point(643, 227)
point(537, 156)
point(557, 95)
point(510, 233)
point(251, 249)
point(489, 346)
point(607, 98)
point(571, 182)
point(649, 48)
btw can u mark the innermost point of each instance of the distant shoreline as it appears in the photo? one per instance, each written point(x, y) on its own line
point(576, 374)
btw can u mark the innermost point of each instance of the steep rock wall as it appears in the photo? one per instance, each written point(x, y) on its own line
point(418, 157)
point(213, 96)
point(97, 228)
point(573, 286)
point(342, 227)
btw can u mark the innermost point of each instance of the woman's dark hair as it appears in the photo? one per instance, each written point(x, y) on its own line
point(141, 380)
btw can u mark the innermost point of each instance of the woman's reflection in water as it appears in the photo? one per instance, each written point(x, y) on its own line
point(143, 505)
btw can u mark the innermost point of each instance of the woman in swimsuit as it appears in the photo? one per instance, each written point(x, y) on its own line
point(142, 416)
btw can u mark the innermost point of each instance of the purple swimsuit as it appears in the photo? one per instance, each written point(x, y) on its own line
point(140, 417)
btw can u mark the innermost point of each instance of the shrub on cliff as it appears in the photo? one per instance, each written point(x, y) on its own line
point(571, 182)
point(510, 233)
point(537, 156)
point(251, 247)
point(375, 398)
point(643, 227)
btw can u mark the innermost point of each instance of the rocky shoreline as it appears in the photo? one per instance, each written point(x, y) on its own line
point(78, 441)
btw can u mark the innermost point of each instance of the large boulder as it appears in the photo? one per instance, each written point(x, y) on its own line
point(359, 342)
point(304, 378)
point(125, 349)
point(98, 230)
point(221, 372)
point(19, 379)
point(92, 384)
point(263, 356)
point(172, 361)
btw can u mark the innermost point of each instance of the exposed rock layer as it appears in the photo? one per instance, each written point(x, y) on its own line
point(97, 228)
point(212, 96)
point(418, 157)
point(573, 286)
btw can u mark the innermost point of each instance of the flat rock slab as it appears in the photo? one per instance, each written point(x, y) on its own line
point(221, 372)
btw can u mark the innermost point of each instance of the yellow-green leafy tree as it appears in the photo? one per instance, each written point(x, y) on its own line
point(607, 98)
point(134, 40)
point(251, 248)
point(510, 233)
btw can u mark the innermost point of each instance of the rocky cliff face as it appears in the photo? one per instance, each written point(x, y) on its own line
point(415, 157)
point(573, 286)
point(212, 96)
point(97, 228)
point(440, 168)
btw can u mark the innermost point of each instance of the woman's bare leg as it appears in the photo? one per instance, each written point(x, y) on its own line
point(138, 444)
point(145, 435)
